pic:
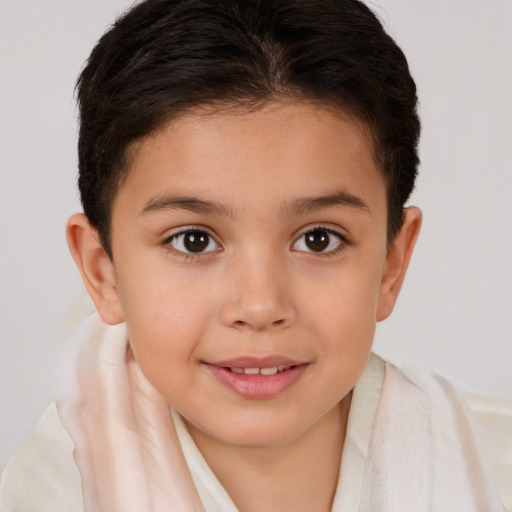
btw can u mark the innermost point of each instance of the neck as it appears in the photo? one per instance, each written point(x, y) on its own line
point(300, 476)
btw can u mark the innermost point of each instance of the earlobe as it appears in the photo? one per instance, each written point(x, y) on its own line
point(96, 268)
point(397, 261)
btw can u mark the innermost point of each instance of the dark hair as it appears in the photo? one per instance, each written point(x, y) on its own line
point(164, 57)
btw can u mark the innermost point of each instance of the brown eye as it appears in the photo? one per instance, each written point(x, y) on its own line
point(318, 240)
point(194, 241)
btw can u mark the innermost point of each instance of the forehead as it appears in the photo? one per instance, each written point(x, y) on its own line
point(263, 156)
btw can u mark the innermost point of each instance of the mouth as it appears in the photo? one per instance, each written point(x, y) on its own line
point(261, 371)
point(257, 379)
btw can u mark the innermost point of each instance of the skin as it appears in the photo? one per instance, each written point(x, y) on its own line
point(258, 289)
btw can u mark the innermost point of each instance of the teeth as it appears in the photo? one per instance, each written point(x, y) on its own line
point(261, 371)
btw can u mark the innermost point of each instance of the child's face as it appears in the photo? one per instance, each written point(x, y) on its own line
point(252, 240)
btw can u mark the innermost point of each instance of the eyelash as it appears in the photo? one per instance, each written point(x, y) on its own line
point(187, 256)
point(343, 241)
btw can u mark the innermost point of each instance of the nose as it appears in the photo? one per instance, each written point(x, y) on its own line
point(258, 296)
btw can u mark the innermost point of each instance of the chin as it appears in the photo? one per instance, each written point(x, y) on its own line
point(261, 434)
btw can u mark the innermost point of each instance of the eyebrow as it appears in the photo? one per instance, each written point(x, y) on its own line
point(193, 204)
point(298, 206)
point(339, 198)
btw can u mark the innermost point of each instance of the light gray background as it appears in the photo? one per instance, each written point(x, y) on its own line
point(454, 313)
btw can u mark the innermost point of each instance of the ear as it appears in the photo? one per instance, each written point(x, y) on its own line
point(397, 261)
point(96, 268)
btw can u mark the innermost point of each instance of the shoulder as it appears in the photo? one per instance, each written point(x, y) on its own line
point(44, 464)
point(490, 420)
point(493, 421)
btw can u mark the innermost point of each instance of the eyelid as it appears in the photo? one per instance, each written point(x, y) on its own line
point(322, 227)
point(187, 229)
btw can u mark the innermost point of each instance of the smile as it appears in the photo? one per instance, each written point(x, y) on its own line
point(261, 371)
point(257, 380)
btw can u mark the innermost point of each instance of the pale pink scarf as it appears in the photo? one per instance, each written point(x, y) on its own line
point(126, 446)
point(130, 458)
point(424, 453)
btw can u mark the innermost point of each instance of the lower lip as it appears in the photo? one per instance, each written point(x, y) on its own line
point(257, 386)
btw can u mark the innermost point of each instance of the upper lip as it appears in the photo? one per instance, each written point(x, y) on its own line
point(257, 362)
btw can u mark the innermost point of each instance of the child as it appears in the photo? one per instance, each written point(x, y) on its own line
point(244, 167)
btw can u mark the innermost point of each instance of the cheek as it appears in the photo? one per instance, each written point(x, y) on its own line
point(344, 302)
point(161, 296)
point(347, 328)
point(166, 317)
point(346, 332)
point(343, 313)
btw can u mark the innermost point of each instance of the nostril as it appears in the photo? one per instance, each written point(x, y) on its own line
point(256, 315)
point(257, 325)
